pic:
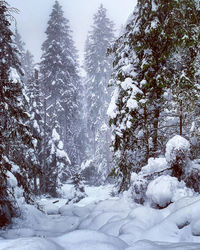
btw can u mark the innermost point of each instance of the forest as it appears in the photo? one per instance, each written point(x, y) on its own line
point(108, 159)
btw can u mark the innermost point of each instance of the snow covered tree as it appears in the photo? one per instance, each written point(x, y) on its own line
point(142, 76)
point(16, 141)
point(182, 105)
point(20, 46)
point(28, 66)
point(33, 92)
point(78, 191)
point(35, 107)
point(57, 161)
point(98, 69)
point(59, 78)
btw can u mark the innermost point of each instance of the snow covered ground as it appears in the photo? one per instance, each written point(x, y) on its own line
point(102, 222)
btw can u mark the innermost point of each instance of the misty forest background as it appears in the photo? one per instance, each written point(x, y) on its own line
point(140, 89)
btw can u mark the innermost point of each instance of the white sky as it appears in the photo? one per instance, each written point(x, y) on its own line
point(34, 15)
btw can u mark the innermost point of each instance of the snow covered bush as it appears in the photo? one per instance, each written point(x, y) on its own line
point(91, 173)
point(11, 197)
point(138, 188)
point(140, 181)
point(77, 193)
point(192, 175)
point(177, 155)
point(165, 190)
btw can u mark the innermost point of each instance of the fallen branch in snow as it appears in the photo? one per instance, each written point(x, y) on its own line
point(55, 201)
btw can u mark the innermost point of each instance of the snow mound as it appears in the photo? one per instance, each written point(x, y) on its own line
point(113, 227)
point(174, 145)
point(28, 244)
point(72, 210)
point(51, 209)
point(90, 240)
point(178, 226)
point(81, 211)
point(166, 189)
point(43, 225)
point(113, 205)
point(147, 244)
point(66, 210)
point(155, 165)
point(101, 219)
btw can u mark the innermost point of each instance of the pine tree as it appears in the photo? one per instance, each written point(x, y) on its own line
point(98, 69)
point(28, 66)
point(35, 107)
point(33, 93)
point(60, 84)
point(59, 70)
point(16, 141)
point(142, 76)
point(19, 46)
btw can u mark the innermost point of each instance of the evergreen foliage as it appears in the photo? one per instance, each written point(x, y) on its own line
point(59, 72)
point(60, 85)
point(35, 122)
point(144, 72)
point(98, 68)
point(16, 141)
point(34, 98)
point(25, 58)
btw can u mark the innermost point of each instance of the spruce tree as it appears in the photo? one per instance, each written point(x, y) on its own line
point(19, 46)
point(16, 141)
point(60, 85)
point(98, 69)
point(142, 76)
point(28, 67)
point(35, 107)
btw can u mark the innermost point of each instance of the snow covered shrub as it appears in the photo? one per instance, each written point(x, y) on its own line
point(166, 189)
point(140, 181)
point(192, 175)
point(177, 155)
point(77, 193)
point(6, 204)
point(138, 188)
point(90, 173)
point(9, 196)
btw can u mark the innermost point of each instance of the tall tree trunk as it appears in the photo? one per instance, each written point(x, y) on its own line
point(146, 135)
point(155, 131)
point(181, 119)
point(43, 172)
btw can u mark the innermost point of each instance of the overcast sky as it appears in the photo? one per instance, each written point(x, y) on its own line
point(34, 15)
